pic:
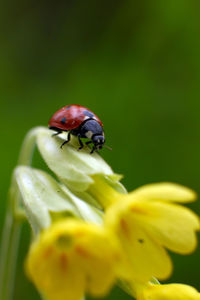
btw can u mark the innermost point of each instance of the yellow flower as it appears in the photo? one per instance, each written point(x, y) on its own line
point(73, 257)
point(146, 222)
point(169, 292)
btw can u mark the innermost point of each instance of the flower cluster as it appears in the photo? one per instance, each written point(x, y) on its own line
point(73, 257)
point(89, 233)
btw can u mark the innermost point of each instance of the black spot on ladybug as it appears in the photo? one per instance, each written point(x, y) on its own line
point(63, 120)
point(68, 107)
point(141, 241)
point(88, 114)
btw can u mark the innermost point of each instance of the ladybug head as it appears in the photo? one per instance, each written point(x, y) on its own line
point(98, 141)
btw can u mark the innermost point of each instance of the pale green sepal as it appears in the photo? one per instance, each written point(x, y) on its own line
point(74, 168)
point(36, 211)
point(87, 212)
point(78, 186)
point(86, 197)
point(113, 181)
point(41, 194)
point(116, 177)
point(15, 199)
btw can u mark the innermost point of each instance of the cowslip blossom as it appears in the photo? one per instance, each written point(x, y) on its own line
point(88, 231)
point(72, 258)
point(148, 220)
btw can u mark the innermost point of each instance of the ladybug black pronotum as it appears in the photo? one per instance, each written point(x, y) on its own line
point(81, 122)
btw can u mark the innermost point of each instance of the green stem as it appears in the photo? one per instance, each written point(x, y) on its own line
point(26, 153)
point(8, 255)
point(12, 226)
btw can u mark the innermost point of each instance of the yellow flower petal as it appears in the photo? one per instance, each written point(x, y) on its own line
point(145, 227)
point(145, 257)
point(169, 292)
point(73, 257)
point(165, 191)
point(172, 226)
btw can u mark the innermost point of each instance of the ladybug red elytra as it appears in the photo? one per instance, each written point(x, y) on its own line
point(81, 122)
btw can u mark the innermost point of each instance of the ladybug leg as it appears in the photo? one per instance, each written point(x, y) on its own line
point(93, 149)
point(87, 143)
point(80, 142)
point(68, 139)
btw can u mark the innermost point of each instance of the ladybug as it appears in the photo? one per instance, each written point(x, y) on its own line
point(81, 122)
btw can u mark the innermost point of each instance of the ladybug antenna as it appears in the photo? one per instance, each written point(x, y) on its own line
point(107, 147)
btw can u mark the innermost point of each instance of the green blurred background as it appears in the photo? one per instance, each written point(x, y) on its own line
point(136, 64)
